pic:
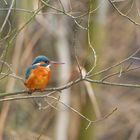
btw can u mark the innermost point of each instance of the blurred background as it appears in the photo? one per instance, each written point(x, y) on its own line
point(58, 30)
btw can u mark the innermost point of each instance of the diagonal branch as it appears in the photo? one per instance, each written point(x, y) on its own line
point(7, 16)
point(123, 15)
point(89, 43)
point(90, 122)
point(117, 64)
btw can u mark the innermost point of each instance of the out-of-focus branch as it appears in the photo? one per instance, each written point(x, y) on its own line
point(15, 33)
point(112, 83)
point(122, 14)
point(8, 65)
point(86, 78)
point(11, 82)
point(65, 13)
point(81, 78)
point(90, 122)
point(117, 64)
point(46, 90)
point(10, 28)
point(10, 72)
point(7, 16)
point(18, 9)
point(89, 42)
point(119, 73)
point(71, 84)
point(5, 75)
point(13, 75)
point(5, 2)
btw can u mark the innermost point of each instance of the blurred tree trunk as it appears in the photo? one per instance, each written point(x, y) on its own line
point(97, 35)
point(15, 66)
point(63, 51)
point(11, 83)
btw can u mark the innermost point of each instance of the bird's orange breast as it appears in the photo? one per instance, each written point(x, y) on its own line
point(38, 78)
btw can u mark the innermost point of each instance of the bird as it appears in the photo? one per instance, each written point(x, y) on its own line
point(39, 73)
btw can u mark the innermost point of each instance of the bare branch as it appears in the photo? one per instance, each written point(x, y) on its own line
point(50, 104)
point(130, 9)
point(13, 76)
point(90, 45)
point(7, 16)
point(9, 31)
point(65, 13)
point(6, 74)
point(117, 1)
point(135, 58)
point(8, 65)
point(10, 72)
point(123, 15)
point(120, 72)
point(101, 119)
point(46, 90)
point(71, 84)
point(112, 83)
point(15, 33)
point(56, 99)
point(18, 9)
point(117, 64)
point(75, 52)
point(61, 4)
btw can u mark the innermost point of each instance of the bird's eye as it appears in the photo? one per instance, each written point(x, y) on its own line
point(47, 62)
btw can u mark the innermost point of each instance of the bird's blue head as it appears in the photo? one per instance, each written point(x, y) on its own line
point(41, 60)
point(38, 61)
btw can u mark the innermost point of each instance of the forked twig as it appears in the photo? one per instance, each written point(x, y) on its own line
point(123, 15)
point(90, 122)
point(7, 16)
point(119, 73)
point(117, 64)
point(89, 43)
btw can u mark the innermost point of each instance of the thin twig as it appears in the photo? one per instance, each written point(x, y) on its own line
point(120, 72)
point(65, 13)
point(75, 52)
point(9, 30)
point(61, 4)
point(18, 9)
point(71, 84)
point(101, 119)
point(91, 12)
point(8, 65)
point(6, 74)
point(112, 83)
point(7, 16)
point(5, 2)
point(13, 76)
point(56, 99)
point(10, 70)
point(130, 9)
point(117, 64)
point(123, 15)
point(90, 45)
point(15, 33)
point(49, 105)
point(135, 58)
point(46, 90)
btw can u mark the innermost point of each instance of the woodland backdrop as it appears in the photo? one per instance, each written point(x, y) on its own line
point(95, 95)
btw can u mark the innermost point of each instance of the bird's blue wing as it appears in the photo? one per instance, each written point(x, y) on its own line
point(28, 71)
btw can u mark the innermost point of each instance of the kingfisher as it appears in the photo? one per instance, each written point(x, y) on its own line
point(39, 73)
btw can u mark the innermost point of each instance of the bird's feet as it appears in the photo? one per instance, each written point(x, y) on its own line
point(42, 89)
point(31, 91)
